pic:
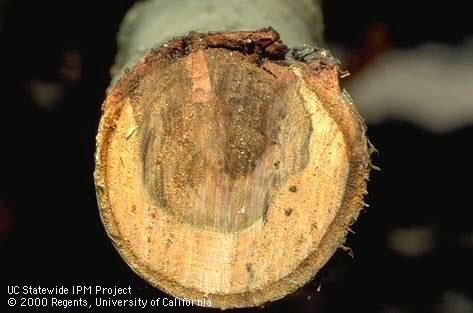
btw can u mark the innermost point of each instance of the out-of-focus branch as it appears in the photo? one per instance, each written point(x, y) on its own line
point(431, 85)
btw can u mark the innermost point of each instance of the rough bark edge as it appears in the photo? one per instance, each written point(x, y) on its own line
point(322, 77)
point(138, 20)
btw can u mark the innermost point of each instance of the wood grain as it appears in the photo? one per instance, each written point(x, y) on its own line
point(228, 168)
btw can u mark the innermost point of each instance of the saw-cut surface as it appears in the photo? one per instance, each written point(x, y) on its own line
point(228, 171)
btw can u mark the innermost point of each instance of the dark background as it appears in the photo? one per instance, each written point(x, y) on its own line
point(50, 230)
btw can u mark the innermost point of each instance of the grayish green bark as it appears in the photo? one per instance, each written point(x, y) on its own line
point(150, 23)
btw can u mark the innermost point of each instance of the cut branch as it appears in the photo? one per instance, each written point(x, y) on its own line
point(228, 168)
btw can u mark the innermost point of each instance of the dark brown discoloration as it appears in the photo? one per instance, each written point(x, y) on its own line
point(293, 189)
point(212, 139)
point(288, 211)
point(253, 110)
point(249, 269)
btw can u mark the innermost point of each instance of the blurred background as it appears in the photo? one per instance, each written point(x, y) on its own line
point(411, 65)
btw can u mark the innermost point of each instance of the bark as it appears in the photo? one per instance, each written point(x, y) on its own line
point(150, 23)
